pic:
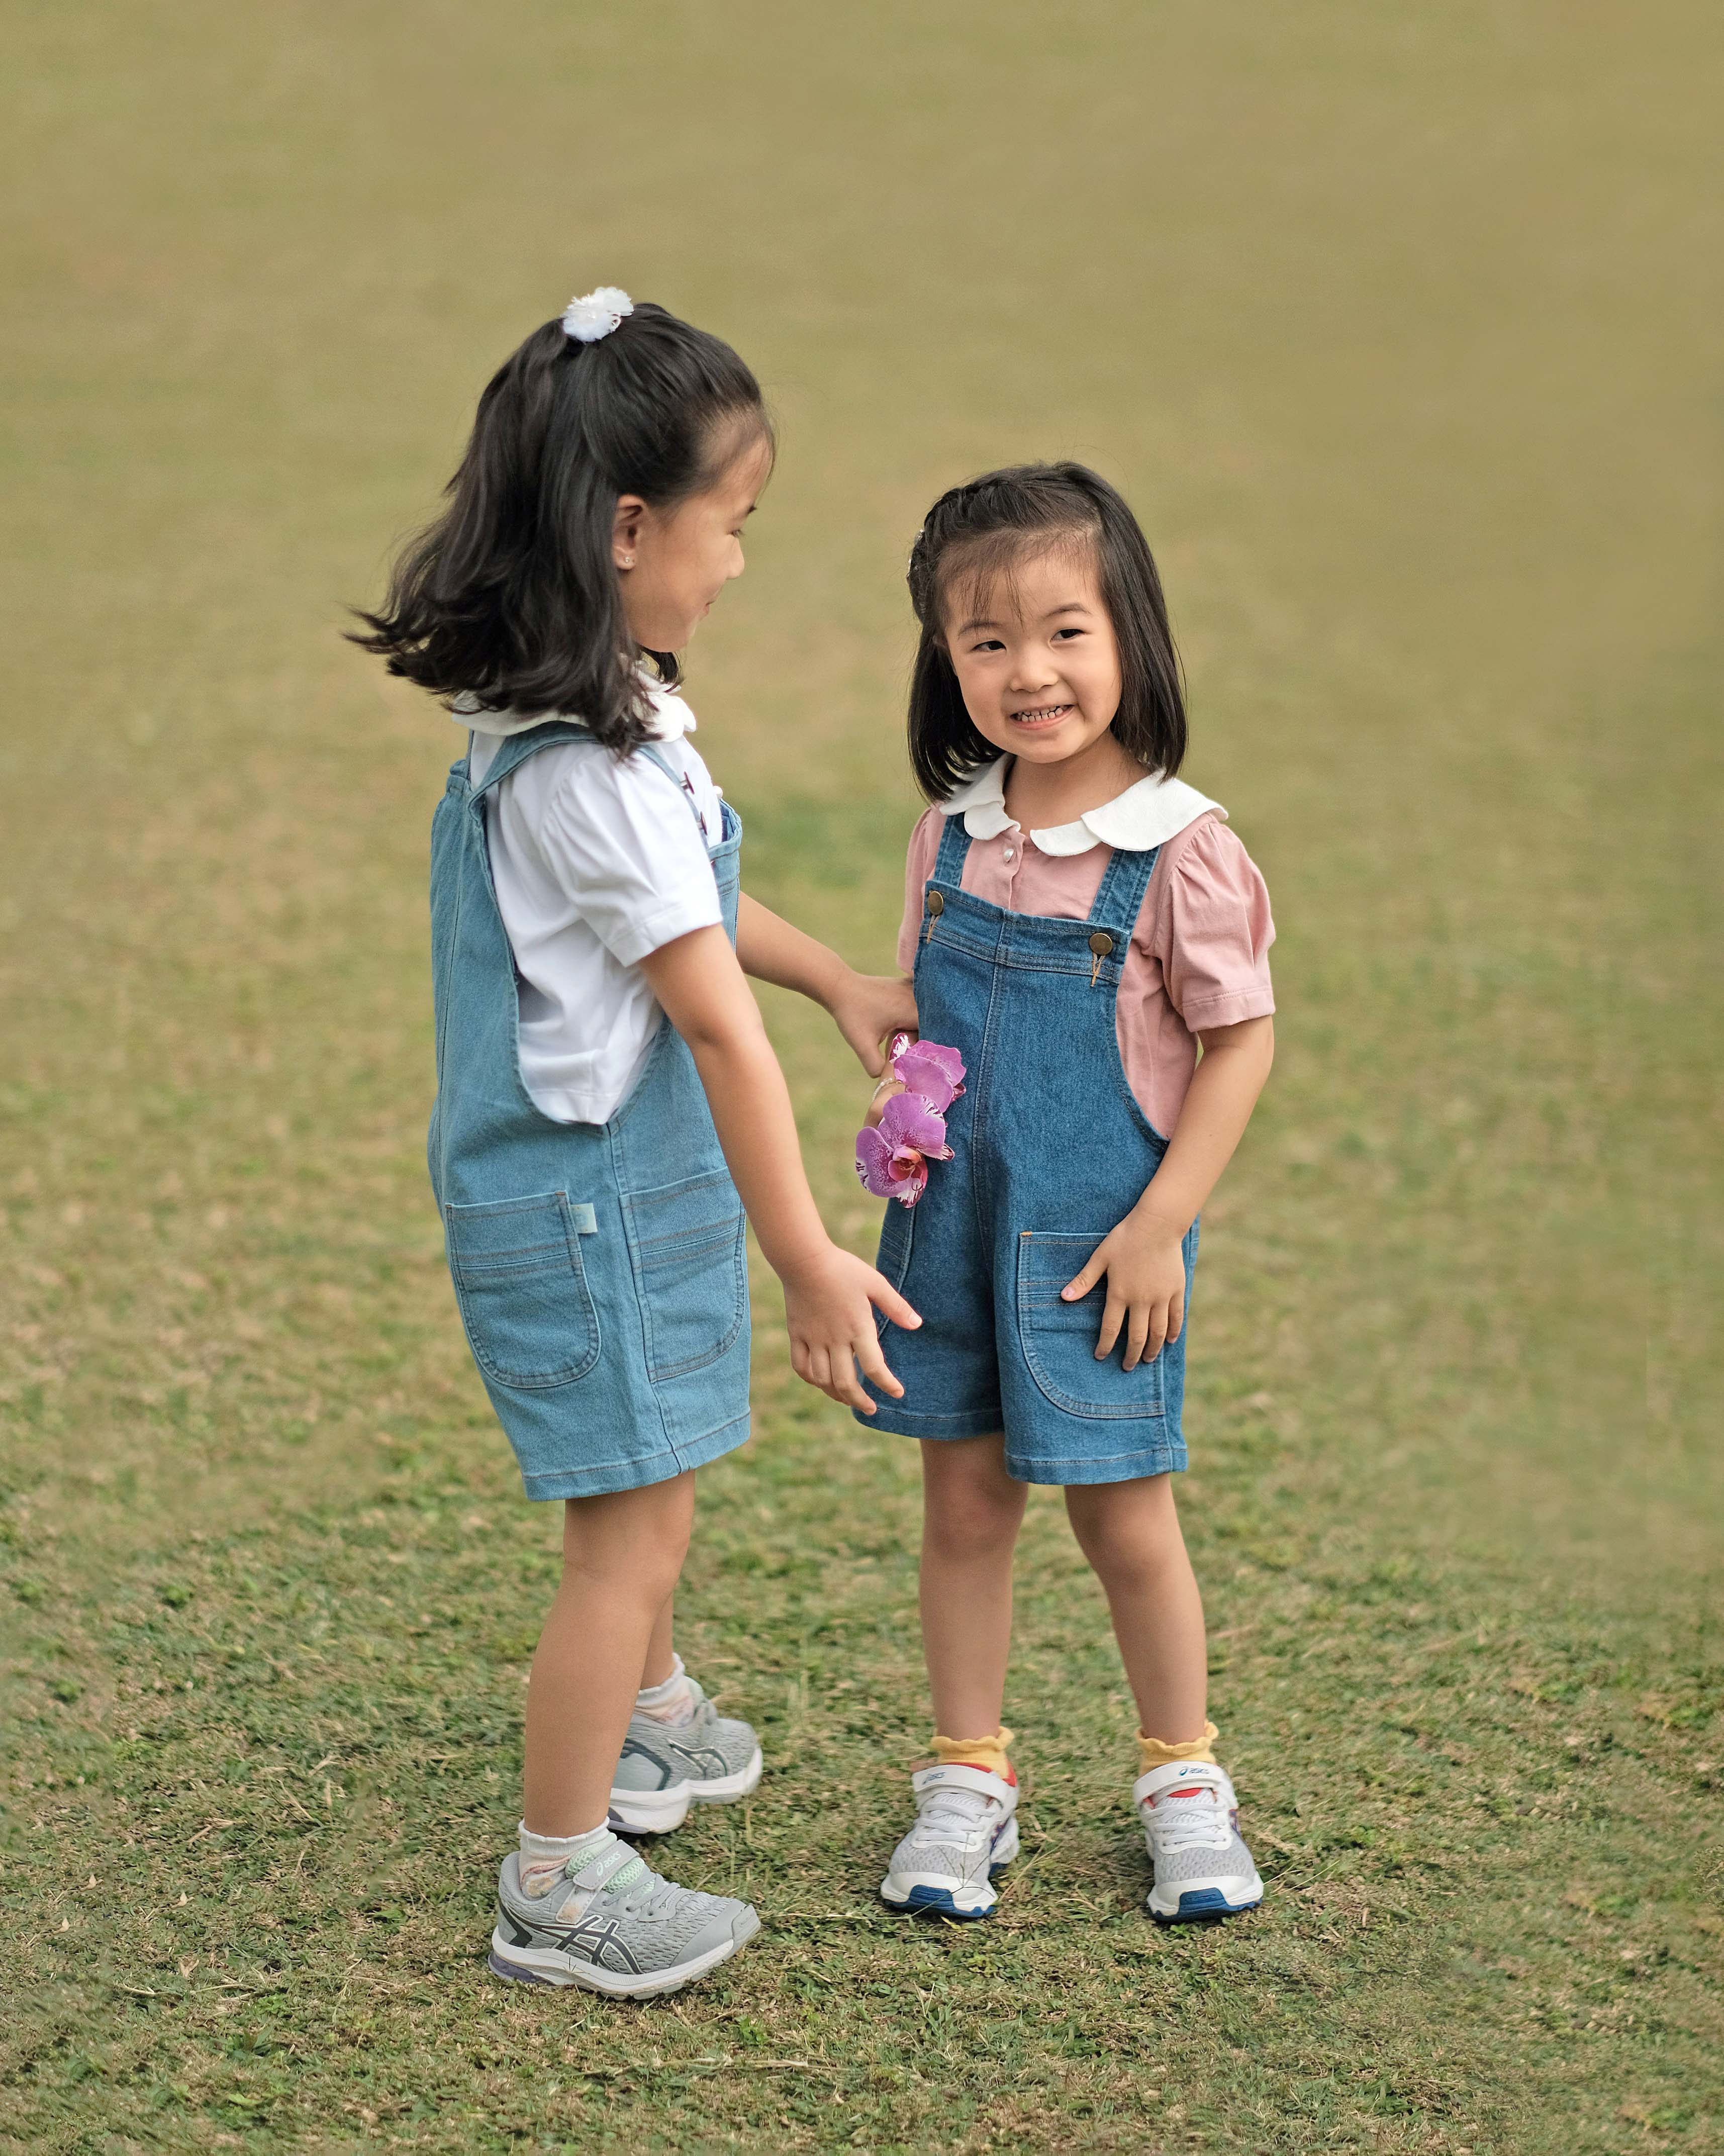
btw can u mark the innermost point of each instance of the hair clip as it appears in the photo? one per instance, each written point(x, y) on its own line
point(596, 313)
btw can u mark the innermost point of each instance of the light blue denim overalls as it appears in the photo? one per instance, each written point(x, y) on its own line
point(1050, 1152)
point(600, 1268)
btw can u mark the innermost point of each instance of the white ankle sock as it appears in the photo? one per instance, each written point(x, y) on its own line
point(546, 1857)
point(673, 1701)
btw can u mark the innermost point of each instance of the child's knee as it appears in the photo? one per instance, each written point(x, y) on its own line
point(1126, 1535)
point(972, 1519)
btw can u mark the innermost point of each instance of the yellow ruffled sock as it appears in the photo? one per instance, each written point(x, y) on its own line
point(987, 1753)
point(1152, 1753)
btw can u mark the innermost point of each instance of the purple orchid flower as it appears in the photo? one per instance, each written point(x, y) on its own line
point(893, 1160)
point(934, 1072)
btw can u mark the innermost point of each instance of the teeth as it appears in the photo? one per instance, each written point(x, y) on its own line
point(1042, 711)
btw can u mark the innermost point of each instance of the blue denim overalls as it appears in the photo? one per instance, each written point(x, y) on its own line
point(600, 1268)
point(1050, 1152)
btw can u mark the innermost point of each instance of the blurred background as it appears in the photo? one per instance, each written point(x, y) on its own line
point(1400, 329)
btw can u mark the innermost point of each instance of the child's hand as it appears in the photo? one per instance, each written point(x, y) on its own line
point(887, 1087)
point(869, 1009)
point(1145, 1265)
point(829, 1303)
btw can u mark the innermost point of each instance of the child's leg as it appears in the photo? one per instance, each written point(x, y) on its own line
point(972, 1511)
point(661, 1648)
point(1130, 1532)
point(621, 1557)
point(966, 1831)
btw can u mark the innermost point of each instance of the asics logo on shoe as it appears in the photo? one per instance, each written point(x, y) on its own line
point(632, 1750)
point(598, 1942)
point(701, 1757)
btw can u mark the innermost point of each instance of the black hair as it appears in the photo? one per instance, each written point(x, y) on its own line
point(983, 530)
point(512, 596)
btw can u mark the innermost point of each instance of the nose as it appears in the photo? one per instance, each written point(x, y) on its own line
point(1031, 671)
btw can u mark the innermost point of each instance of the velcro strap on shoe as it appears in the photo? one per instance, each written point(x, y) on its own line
point(604, 1869)
point(1191, 1773)
point(963, 1778)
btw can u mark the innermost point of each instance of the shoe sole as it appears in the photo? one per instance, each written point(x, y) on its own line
point(1202, 1905)
point(550, 1965)
point(650, 1811)
point(939, 1900)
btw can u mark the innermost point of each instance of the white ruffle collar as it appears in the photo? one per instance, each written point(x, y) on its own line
point(1147, 814)
point(669, 719)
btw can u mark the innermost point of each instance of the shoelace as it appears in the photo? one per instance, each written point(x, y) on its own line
point(952, 1815)
point(1199, 1820)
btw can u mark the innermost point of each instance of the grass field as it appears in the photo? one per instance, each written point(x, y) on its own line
point(1399, 325)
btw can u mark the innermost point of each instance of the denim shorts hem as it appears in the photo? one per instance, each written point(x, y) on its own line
point(890, 1416)
point(1110, 1467)
point(610, 1475)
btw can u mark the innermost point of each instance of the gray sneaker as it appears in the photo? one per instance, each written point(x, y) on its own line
point(662, 1770)
point(614, 1927)
point(1191, 1823)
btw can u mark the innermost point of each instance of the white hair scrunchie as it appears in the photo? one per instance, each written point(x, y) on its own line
point(596, 313)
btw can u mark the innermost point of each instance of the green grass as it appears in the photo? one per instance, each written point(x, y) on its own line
point(1399, 327)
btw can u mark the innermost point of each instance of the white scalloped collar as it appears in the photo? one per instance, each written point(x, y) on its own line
point(1147, 814)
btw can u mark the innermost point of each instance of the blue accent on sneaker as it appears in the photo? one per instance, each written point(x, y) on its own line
point(937, 1902)
point(1204, 1902)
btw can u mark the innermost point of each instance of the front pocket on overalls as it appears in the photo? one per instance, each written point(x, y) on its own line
point(689, 1244)
point(522, 1290)
point(1059, 1338)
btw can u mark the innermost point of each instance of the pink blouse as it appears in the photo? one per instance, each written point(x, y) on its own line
point(1199, 956)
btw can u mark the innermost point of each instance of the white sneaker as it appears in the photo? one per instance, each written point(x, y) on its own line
point(966, 1831)
point(1191, 1822)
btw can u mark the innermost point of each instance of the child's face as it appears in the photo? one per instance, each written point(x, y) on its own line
point(1036, 657)
point(674, 564)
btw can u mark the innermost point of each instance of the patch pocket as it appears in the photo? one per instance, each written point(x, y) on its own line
point(1058, 1338)
point(689, 1246)
point(522, 1289)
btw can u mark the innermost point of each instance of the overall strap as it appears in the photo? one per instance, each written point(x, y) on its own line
point(516, 748)
point(954, 847)
point(1119, 898)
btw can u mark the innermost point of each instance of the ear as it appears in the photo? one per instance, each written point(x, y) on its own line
point(626, 530)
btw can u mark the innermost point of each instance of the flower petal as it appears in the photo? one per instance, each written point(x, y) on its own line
point(908, 1119)
point(934, 1072)
point(911, 1187)
point(874, 1158)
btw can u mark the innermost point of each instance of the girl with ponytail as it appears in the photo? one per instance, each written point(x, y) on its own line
point(609, 1106)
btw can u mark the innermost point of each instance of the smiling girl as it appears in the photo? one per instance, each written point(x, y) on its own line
point(605, 1086)
point(1079, 920)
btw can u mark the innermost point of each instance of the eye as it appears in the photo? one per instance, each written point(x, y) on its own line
point(988, 644)
point(1060, 633)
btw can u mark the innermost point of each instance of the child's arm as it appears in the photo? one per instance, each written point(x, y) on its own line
point(1141, 1258)
point(829, 1295)
point(866, 1007)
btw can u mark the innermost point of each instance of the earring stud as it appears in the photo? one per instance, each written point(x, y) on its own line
point(628, 561)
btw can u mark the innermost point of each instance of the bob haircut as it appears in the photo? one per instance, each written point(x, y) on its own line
point(982, 531)
point(512, 595)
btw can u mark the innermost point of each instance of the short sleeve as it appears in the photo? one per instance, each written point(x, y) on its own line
point(619, 839)
point(1214, 931)
point(918, 866)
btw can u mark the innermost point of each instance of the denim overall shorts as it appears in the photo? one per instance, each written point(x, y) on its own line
point(600, 1268)
point(1050, 1152)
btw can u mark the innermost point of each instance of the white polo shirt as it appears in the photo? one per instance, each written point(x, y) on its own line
point(598, 862)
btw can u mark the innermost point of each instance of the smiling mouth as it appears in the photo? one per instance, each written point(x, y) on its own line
point(1042, 715)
